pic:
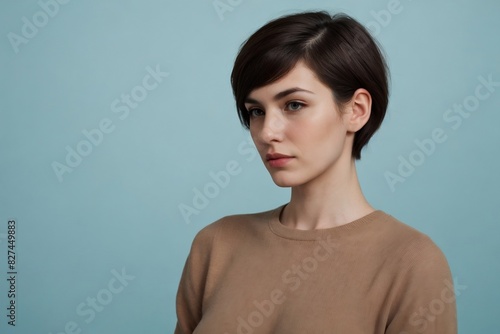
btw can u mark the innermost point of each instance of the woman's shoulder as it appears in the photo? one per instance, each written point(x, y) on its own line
point(405, 233)
point(411, 244)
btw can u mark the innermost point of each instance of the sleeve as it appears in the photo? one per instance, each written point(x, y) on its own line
point(189, 299)
point(425, 299)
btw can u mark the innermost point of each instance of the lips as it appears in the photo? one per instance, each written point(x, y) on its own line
point(278, 160)
point(275, 156)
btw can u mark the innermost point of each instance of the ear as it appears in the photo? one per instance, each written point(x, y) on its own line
point(360, 107)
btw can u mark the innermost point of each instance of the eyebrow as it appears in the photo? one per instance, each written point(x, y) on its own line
point(281, 95)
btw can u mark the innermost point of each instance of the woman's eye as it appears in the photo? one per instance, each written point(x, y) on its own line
point(294, 105)
point(254, 112)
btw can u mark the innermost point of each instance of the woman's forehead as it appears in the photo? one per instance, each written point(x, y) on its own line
point(299, 79)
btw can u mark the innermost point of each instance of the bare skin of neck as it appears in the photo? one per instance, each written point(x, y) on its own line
point(333, 199)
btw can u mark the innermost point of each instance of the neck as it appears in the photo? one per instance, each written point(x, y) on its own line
point(332, 199)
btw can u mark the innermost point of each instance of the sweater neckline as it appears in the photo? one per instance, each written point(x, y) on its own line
point(297, 234)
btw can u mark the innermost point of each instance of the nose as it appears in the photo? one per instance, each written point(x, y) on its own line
point(273, 127)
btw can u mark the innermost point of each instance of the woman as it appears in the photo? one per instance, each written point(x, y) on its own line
point(312, 89)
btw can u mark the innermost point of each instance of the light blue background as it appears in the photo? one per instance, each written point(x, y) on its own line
point(120, 207)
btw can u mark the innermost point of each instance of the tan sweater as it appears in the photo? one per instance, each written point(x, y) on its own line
point(249, 274)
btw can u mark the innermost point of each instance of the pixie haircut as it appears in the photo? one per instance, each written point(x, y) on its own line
point(338, 49)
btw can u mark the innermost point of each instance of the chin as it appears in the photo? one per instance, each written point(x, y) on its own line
point(283, 185)
point(285, 182)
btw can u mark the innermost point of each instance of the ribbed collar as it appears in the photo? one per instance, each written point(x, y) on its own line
point(296, 234)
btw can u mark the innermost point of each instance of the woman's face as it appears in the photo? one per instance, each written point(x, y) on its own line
point(297, 117)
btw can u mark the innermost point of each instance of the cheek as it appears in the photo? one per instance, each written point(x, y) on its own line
point(261, 148)
point(317, 134)
point(253, 134)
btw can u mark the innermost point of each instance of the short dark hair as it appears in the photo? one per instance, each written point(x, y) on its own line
point(340, 51)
